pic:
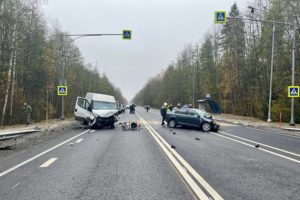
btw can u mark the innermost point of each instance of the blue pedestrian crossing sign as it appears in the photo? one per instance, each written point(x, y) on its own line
point(62, 90)
point(127, 34)
point(220, 17)
point(293, 91)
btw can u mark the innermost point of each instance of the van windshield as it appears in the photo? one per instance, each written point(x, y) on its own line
point(100, 105)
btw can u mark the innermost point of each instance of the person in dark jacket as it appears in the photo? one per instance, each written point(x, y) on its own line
point(27, 112)
point(163, 112)
point(170, 107)
point(147, 107)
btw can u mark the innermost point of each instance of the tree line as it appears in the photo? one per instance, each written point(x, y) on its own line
point(232, 63)
point(30, 59)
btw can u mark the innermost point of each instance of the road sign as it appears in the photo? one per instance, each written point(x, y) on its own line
point(293, 91)
point(62, 90)
point(220, 17)
point(127, 34)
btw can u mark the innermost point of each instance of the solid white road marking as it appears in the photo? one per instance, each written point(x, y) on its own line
point(260, 148)
point(15, 186)
point(271, 147)
point(175, 158)
point(92, 131)
point(49, 162)
point(78, 141)
point(40, 154)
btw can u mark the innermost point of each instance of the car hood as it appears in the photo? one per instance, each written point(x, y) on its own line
point(104, 113)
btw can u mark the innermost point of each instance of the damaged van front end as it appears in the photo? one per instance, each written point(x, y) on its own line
point(102, 119)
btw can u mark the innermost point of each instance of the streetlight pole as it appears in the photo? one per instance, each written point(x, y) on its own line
point(62, 80)
point(271, 75)
point(292, 122)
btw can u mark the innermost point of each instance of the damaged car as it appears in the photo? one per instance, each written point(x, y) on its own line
point(96, 110)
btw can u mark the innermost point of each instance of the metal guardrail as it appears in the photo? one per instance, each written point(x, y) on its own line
point(9, 138)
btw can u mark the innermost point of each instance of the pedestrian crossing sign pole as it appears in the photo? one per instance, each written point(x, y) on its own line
point(62, 90)
point(220, 17)
point(293, 91)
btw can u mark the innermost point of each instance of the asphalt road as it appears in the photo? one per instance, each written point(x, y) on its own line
point(116, 164)
point(104, 164)
point(232, 165)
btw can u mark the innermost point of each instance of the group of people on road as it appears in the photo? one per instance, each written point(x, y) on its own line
point(165, 108)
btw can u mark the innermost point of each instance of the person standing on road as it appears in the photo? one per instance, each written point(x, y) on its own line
point(147, 107)
point(27, 112)
point(163, 112)
point(170, 107)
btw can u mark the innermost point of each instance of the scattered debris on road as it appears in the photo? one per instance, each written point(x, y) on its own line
point(197, 138)
point(257, 146)
point(173, 147)
point(127, 126)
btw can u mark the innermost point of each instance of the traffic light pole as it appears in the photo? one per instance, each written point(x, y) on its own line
point(62, 63)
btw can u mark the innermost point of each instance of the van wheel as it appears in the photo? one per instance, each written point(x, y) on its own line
point(112, 126)
point(206, 127)
point(172, 123)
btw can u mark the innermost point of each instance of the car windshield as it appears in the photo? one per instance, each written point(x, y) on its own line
point(202, 113)
point(100, 105)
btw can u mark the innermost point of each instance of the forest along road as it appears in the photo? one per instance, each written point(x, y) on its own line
point(238, 162)
point(155, 162)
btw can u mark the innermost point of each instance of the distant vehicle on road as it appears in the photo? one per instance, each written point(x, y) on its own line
point(192, 118)
point(96, 110)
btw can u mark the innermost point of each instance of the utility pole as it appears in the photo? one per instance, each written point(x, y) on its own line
point(271, 74)
point(292, 122)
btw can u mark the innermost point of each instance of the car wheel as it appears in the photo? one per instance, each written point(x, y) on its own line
point(206, 127)
point(172, 123)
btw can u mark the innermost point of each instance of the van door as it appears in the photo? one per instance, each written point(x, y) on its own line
point(81, 111)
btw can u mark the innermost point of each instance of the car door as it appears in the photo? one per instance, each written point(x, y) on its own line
point(193, 118)
point(181, 116)
point(81, 111)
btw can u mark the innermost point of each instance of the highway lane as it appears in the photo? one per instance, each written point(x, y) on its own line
point(236, 170)
point(101, 164)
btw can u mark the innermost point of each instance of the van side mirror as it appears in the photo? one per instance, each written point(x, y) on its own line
point(89, 108)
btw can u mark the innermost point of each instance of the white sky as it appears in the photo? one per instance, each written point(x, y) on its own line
point(160, 30)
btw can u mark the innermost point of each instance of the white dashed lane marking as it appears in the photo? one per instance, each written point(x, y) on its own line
point(48, 163)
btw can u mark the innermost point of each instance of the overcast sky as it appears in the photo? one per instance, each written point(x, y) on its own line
point(160, 30)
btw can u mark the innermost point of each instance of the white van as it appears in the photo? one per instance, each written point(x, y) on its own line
point(96, 110)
